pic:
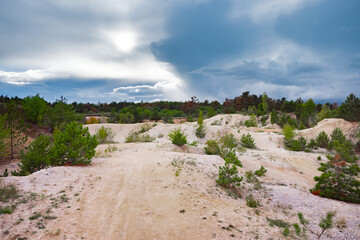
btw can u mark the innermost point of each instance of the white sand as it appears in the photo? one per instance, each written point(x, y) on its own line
point(134, 194)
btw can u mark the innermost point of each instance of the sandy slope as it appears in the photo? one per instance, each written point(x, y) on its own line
point(134, 193)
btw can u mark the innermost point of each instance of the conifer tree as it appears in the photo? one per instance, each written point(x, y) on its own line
point(16, 126)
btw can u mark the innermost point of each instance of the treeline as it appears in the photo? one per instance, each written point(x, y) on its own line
point(307, 113)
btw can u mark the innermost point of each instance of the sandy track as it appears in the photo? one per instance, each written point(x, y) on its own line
point(134, 193)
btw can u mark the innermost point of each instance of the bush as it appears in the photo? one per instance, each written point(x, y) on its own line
point(336, 135)
point(230, 156)
point(252, 122)
point(200, 119)
point(289, 134)
point(104, 135)
point(74, 145)
point(200, 131)
point(274, 117)
point(177, 137)
point(212, 148)
point(137, 137)
point(298, 144)
point(322, 140)
point(251, 201)
point(126, 117)
point(260, 172)
point(312, 144)
point(228, 141)
point(92, 120)
point(37, 157)
point(247, 141)
point(228, 176)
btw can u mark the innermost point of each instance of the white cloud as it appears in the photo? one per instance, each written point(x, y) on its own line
point(266, 11)
point(91, 39)
point(27, 77)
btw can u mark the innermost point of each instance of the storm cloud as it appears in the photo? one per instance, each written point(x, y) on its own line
point(171, 50)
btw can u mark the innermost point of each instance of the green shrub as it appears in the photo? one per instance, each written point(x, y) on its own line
point(274, 117)
point(263, 119)
point(200, 131)
point(145, 127)
point(322, 140)
point(312, 144)
point(252, 122)
point(288, 133)
point(200, 119)
point(247, 141)
point(104, 135)
point(228, 176)
point(126, 117)
point(177, 137)
point(74, 145)
point(8, 192)
point(298, 144)
point(38, 156)
point(137, 137)
point(251, 201)
point(228, 141)
point(336, 135)
point(260, 172)
point(230, 156)
point(212, 148)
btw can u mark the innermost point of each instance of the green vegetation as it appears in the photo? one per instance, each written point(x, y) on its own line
point(260, 172)
point(247, 141)
point(212, 147)
point(228, 176)
point(38, 155)
point(74, 145)
point(36, 109)
point(177, 137)
point(138, 137)
point(15, 125)
point(4, 134)
point(104, 135)
point(322, 140)
point(252, 122)
point(200, 131)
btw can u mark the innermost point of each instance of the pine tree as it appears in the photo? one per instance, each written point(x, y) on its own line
point(4, 134)
point(338, 180)
point(74, 145)
point(16, 126)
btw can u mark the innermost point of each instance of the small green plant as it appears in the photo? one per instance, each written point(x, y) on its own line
point(228, 141)
point(194, 143)
point(35, 216)
point(247, 141)
point(289, 134)
point(38, 156)
point(252, 122)
point(8, 192)
point(177, 137)
point(260, 172)
point(230, 156)
point(212, 147)
point(325, 223)
point(6, 210)
point(319, 158)
point(297, 144)
point(146, 127)
point(228, 176)
point(177, 163)
point(137, 137)
point(251, 201)
point(104, 135)
point(200, 131)
point(322, 140)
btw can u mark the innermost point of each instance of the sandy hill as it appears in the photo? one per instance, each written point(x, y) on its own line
point(133, 192)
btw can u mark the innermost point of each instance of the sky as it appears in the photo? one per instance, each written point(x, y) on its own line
point(140, 50)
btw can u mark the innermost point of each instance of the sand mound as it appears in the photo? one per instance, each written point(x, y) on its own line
point(161, 191)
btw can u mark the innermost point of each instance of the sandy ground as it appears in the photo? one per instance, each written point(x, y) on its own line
point(134, 193)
